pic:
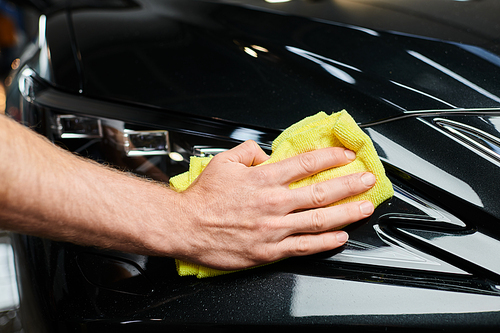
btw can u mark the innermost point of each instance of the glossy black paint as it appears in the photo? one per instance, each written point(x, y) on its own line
point(191, 57)
point(427, 258)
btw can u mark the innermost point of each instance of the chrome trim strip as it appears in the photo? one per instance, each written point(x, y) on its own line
point(433, 113)
point(474, 138)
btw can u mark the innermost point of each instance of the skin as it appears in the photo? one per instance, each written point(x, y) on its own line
point(235, 215)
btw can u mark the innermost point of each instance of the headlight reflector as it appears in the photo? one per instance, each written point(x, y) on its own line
point(142, 143)
point(75, 127)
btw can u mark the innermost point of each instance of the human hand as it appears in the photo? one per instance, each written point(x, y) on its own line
point(239, 214)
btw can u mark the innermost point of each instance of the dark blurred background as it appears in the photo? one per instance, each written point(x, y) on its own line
point(18, 20)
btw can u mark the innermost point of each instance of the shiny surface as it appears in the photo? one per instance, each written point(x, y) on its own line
point(466, 22)
point(410, 254)
point(194, 57)
point(215, 74)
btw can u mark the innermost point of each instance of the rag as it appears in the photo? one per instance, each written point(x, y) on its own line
point(318, 131)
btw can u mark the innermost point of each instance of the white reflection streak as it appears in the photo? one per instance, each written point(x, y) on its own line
point(316, 58)
point(394, 104)
point(454, 75)
point(131, 322)
point(424, 94)
point(41, 30)
point(250, 52)
point(365, 30)
point(42, 44)
point(354, 27)
point(480, 52)
point(406, 160)
point(244, 134)
point(317, 296)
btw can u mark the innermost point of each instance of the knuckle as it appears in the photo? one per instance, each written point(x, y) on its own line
point(249, 146)
point(317, 220)
point(261, 175)
point(303, 246)
point(259, 256)
point(252, 145)
point(219, 158)
point(319, 195)
point(264, 176)
point(271, 201)
point(264, 255)
point(349, 182)
point(308, 162)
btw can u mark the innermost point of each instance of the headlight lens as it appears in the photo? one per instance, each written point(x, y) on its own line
point(147, 141)
point(157, 154)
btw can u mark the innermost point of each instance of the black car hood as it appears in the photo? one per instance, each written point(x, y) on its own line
point(268, 68)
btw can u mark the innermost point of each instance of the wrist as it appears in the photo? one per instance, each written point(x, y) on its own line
point(164, 224)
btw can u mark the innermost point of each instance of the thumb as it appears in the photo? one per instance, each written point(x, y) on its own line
point(248, 153)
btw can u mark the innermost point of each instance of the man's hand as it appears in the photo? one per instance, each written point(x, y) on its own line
point(237, 214)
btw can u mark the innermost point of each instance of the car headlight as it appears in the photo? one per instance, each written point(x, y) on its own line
point(144, 140)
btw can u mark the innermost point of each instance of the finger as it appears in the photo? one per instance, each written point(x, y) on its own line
point(248, 153)
point(307, 244)
point(323, 219)
point(324, 193)
point(306, 164)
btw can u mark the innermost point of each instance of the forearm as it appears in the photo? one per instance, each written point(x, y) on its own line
point(49, 192)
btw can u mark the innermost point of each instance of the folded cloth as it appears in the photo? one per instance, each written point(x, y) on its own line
point(314, 132)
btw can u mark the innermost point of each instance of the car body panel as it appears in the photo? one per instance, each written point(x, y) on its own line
point(236, 53)
point(235, 70)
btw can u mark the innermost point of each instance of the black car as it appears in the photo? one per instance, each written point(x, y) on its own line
point(144, 85)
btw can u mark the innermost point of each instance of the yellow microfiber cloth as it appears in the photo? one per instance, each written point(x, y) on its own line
point(314, 132)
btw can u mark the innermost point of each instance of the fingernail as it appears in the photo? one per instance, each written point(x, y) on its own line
point(342, 237)
point(351, 156)
point(368, 179)
point(366, 208)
